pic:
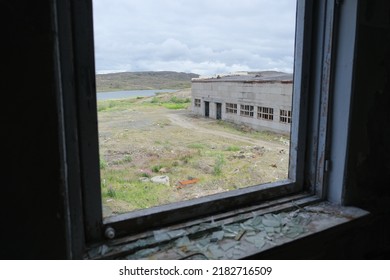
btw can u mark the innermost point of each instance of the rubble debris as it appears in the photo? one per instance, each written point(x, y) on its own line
point(218, 239)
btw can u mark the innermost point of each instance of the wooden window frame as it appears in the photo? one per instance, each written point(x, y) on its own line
point(320, 79)
point(247, 110)
point(231, 108)
point(285, 116)
point(265, 113)
point(197, 102)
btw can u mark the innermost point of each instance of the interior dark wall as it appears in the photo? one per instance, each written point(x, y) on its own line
point(369, 157)
point(368, 162)
point(369, 152)
point(32, 211)
point(32, 223)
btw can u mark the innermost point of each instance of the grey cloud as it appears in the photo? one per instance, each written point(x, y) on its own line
point(204, 37)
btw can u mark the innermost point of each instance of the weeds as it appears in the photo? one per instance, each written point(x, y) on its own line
point(112, 105)
point(102, 164)
point(127, 158)
point(198, 146)
point(111, 192)
point(177, 100)
point(233, 148)
point(219, 162)
point(156, 168)
point(175, 106)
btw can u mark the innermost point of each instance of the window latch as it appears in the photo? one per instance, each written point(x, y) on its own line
point(327, 165)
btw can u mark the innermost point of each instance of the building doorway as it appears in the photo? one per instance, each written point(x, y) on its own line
point(206, 109)
point(219, 111)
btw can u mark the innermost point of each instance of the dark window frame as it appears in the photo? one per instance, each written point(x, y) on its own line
point(247, 110)
point(265, 113)
point(231, 108)
point(285, 116)
point(197, 102)
point(310, 138)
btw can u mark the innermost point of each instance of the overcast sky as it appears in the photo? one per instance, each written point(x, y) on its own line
point(198, 36)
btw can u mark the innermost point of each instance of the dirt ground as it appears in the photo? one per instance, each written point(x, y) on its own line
point(142, 140)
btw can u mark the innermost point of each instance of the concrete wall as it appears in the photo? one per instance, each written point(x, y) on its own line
point(276, 95)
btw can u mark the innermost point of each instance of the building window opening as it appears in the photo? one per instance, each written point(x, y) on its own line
point(197, 102)
point(247, 110)
point(231, 108)
point(285, 116)
point(265, 113)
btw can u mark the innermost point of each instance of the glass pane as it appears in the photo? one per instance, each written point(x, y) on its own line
point(194, 97)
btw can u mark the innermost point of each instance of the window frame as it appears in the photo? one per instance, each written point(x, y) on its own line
point(197, 102)
point(231, 108)
point(247, 110)
point(310, 136)
point(265, 113)
point(285, 116)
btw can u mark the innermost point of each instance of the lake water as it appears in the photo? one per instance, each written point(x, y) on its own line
point(130, 93)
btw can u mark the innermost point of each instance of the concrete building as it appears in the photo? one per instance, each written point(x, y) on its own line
point(260, 100)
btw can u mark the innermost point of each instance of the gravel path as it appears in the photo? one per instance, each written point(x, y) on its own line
point(180, 119)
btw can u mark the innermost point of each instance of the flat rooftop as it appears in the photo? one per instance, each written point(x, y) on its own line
point(248, 77)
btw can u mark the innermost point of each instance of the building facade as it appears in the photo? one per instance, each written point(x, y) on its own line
point(260, 100)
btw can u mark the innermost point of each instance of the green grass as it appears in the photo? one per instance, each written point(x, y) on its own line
point(249, 132)
point(156, 168)
point(175, 106)
point(124, 160)
point(165, 100)
point(198, 146)
point(178, 100)
point(116, 184)
point(219, 163)
point(233, 148)
point(102, 163)
point(155, 100)
point(138, 194)
point(113, 105)
point(174, 103)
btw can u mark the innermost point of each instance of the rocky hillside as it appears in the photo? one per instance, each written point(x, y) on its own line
point(143, 80)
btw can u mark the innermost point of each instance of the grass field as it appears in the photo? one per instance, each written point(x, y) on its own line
point(157, 136)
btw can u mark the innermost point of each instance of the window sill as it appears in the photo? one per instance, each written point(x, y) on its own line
point(237, 235)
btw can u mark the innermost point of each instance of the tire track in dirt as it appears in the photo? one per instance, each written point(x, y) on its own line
point(185, 122)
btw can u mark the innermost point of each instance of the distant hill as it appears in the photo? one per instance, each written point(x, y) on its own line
point(143, 80)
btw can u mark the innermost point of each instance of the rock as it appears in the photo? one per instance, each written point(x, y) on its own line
point(206, 169)
point(144, 179)
point(164, 170)
point(160, 180)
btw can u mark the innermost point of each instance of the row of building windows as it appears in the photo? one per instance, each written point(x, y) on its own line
point(265, 113)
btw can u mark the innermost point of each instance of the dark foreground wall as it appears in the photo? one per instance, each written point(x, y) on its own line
point(32, 219)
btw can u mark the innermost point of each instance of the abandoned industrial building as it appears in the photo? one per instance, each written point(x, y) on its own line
point(259, 100)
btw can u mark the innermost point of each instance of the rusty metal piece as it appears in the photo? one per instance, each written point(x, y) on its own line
point(189, 182)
